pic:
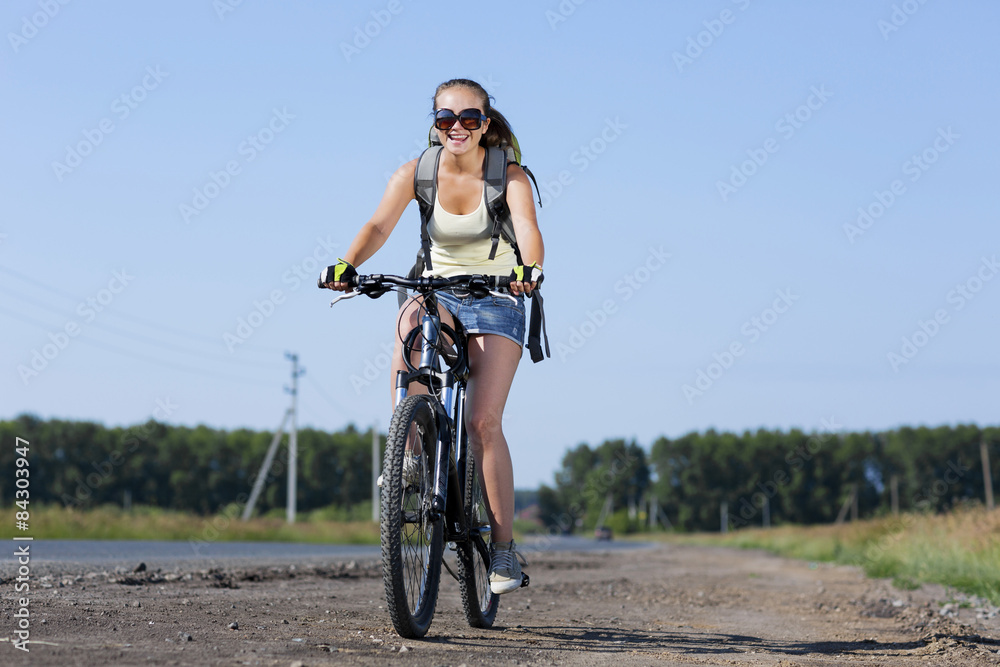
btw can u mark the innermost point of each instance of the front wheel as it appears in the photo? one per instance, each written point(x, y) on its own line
point(412, 544)
point(478, 601)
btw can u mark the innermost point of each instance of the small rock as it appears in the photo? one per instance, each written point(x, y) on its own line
point(136, 604)
point(141, 567)
point(185, 637)
point(298, 663)
point(284, 622)
point(234, 626)
point(404, 649)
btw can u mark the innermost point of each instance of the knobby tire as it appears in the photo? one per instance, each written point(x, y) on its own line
point(478, 601)
point(412, 546)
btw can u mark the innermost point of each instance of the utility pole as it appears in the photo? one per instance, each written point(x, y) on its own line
point(894, 494)
point(290, 415)
point(258, 484)
point(850, 505)
point(293, 446)
point(984, 454)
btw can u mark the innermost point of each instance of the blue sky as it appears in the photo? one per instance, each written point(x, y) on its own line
point(757, 214)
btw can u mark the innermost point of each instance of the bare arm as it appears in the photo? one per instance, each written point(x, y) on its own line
point(522, 213)
point(375, 232)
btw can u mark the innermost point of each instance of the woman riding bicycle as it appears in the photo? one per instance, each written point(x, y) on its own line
point(460, 244)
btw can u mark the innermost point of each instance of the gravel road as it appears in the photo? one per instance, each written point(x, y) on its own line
point(667, 605)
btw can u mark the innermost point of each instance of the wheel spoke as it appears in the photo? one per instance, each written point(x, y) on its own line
point(411, 546)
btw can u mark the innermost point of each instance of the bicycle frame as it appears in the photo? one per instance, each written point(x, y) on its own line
point(448, 387)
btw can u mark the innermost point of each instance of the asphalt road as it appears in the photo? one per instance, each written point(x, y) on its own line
point(111, 554)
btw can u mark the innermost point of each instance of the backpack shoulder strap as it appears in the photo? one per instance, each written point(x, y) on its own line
point(425, 189)
point(495, 183)
point(495, 174)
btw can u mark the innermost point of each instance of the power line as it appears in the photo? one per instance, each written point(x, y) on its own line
point(158, 327)
point(323, 393)
point(141, 338)
point(133, 355)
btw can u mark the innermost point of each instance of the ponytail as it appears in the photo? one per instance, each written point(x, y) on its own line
point(499, 133)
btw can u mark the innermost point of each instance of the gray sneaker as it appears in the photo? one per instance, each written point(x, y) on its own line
point(505, 569)
point(411, 468)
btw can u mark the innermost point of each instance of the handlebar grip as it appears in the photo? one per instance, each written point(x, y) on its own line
point(322, 280)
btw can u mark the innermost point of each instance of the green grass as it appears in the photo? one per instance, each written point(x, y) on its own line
point(147, 523)
point(961, 549)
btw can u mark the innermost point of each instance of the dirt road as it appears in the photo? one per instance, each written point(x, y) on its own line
point(661, 606)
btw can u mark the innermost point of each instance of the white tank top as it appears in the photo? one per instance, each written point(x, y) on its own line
point(460, 244)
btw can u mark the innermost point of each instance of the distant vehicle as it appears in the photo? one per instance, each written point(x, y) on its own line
point(603, 534)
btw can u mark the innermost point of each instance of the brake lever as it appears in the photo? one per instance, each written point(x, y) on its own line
point(502, 295)
point(345, 295)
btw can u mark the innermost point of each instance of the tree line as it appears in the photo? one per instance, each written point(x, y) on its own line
point(791, 477)
point(199, 469)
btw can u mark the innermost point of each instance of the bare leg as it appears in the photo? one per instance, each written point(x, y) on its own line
point(408, 318)
point(493, 361)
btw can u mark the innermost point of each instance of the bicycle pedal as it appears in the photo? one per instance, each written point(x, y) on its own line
point(524, 580)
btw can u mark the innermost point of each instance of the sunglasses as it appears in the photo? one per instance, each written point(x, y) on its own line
point(471, 119)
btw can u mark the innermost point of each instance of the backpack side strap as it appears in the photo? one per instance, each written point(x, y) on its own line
point(537, 333)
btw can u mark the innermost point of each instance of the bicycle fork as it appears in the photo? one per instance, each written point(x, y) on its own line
point(442, 503)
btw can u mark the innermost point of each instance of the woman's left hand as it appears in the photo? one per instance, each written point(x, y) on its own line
point(523, 279)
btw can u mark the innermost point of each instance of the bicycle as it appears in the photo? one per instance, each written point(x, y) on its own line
point(430, 491)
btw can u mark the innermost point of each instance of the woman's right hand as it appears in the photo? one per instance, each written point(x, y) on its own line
point(336, 276)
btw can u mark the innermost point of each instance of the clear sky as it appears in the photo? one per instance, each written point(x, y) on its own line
point(758, 214)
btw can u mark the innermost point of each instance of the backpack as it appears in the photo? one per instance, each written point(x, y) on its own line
point(498, 158)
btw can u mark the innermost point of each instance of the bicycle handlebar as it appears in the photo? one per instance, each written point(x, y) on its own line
point(377, 284)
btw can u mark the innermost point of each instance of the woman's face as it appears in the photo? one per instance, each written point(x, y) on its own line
point(459, 140)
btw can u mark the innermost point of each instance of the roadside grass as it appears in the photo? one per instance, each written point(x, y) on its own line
point(960, 549)
point(148, 523)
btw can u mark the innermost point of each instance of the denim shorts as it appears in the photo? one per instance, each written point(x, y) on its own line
point(490, 315)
